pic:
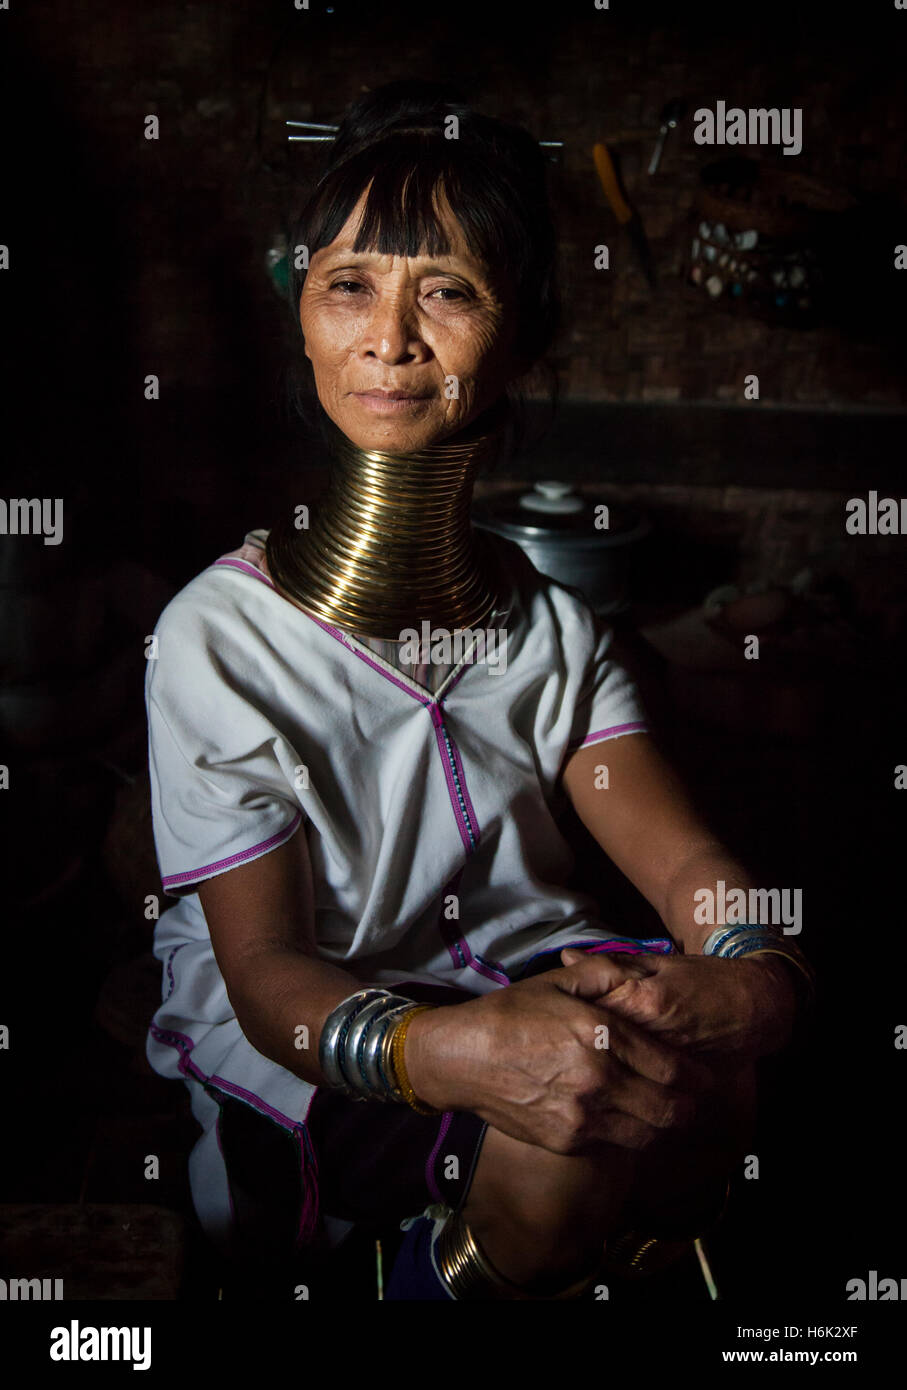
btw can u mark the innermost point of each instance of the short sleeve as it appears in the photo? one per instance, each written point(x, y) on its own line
point(608, 704)
point(221, 788)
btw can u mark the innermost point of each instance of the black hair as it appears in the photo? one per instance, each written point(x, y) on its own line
point(493, 176)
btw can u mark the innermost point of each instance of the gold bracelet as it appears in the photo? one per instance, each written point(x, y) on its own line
point(398, 1065)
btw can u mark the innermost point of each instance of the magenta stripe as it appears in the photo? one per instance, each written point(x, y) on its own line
point(171, 1038)
point(634, 946)
point(459, 949)
point(451, 785)
point(451, 887)
point(473, 962)
point(430, 1164)
point(255, 1101)
point(463, 788)
point(184, 1045)
point(481, 968)
point(640, 726)
point(245, 566)
point(240, 858)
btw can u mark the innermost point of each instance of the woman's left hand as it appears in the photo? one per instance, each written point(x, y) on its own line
point(744, 1009)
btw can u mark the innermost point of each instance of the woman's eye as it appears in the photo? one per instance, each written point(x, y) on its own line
point(348, 287)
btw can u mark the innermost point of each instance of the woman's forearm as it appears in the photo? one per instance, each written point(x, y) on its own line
point(704, 869)
point(282, 1000)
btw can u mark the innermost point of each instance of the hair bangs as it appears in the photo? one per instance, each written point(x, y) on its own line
point(401, 216)
point(403, 207)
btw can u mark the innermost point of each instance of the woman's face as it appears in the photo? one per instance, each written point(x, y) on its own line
point(439, 328)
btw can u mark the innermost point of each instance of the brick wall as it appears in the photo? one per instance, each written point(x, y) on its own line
point(180, 226)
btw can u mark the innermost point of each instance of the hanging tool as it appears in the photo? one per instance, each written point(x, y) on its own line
point(622, 210)
point(669, 118)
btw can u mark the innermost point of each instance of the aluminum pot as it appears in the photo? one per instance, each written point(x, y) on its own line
point(581, 540)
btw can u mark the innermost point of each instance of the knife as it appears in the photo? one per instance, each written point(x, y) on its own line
point(622, 210)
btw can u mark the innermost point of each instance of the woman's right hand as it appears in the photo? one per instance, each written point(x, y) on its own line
point(533, 1061)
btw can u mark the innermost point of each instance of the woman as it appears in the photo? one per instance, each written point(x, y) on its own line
point(353, 829)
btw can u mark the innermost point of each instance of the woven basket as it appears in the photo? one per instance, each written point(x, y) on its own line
point(754, 238)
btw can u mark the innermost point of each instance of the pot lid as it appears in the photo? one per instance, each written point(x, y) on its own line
point(554, 510)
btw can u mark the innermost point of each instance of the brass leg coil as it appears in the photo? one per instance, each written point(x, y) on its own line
point(469, 1274)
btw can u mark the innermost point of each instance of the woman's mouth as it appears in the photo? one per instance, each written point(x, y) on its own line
point(388, 402)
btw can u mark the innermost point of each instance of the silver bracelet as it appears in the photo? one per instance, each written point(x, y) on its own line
point(727, 941)
point(352, 1055)
point(336, 1024)
point(365, 1040)
point(352, 1044)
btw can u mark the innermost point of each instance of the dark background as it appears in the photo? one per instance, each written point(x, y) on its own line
point(130, 257)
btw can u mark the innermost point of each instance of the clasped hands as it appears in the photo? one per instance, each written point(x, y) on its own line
point(683, 1033)
point(739, 1009)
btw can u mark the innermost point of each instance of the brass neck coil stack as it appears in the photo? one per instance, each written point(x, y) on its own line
point(392, 543)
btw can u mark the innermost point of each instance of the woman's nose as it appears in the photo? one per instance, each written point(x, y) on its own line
point(392, 334)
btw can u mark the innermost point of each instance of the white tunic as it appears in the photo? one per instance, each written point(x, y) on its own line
point(429, 816)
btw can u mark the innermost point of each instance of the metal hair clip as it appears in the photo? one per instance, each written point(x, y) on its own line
point(311, 125)
point(314, 125)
